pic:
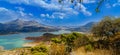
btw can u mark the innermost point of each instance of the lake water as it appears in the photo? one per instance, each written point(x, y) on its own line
point(12, 41)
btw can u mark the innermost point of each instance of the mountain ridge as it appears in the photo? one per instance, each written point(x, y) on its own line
point(84, 28)
point(18, 25)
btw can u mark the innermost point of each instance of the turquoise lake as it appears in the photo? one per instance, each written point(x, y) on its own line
point(12, 41)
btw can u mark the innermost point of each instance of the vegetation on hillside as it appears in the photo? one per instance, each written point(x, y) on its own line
point(103, 40)
point(107, 28)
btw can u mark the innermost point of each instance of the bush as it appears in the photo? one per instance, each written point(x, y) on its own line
point(39, 50)
point(56, 40)
point(69, 39)
point(81, 40)
point(89, 47)
point(74, 41)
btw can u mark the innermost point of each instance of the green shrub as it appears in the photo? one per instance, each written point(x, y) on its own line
point(43, 50)
point(74, 40)
point(89, 47)
point(56, 40)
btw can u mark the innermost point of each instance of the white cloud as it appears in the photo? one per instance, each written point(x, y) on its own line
point(45, 15)
point(83, 9)
point(42, 15)
point(53, 5)
point(22, 13)
point(59, 15)
point(89, 1)
point(54, 15)
point(18, 1)
point(20, 8)
point(3, 9)
point(7, 14)
point(116, 4)
point(30, 14)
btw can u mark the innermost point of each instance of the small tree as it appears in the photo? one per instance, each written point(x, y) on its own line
point(106, 28)
point(74, 40)
point(69, 41)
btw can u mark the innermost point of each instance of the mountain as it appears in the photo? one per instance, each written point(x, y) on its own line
point(19, 25)
point(22, 23)
point(89, 25)
point(85, 28)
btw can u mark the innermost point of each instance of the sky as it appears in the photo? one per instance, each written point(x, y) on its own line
point(51, 12)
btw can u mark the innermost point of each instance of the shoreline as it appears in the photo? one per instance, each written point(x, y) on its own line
point(30, 44)
point(25, 32)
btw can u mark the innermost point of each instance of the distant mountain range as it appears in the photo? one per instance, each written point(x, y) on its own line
point(18, 25)
point(85, 28)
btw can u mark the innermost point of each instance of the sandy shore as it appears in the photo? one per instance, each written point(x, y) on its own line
point(30, 44)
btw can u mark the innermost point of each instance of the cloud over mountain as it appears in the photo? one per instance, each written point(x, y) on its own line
point(7, 14)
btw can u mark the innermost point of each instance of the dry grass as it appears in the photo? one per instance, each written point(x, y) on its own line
point(57, 49)
point(81, 51)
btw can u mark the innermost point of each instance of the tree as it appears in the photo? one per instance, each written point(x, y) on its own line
point(106, 28)
point(69, 41)
point(74, 40)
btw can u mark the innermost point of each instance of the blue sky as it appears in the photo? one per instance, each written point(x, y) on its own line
point(50, 12)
